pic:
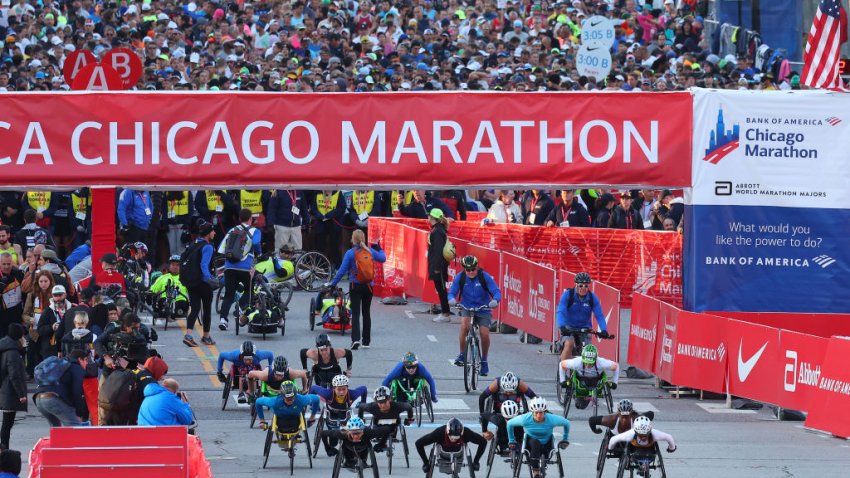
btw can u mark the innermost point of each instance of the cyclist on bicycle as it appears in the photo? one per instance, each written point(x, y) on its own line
point(244, 360)
point(277, 269)
point(621, 421)
point(588, 369)
point(574, 310)
point(356, 439)
point(279, 373)
point(385, 413)
point(338, 401)
point(451, 438)
point(505, 389)
point(475, 288)
point(326, 360)
point(500, 417)
point(538, 426)
point(160, 289)
point(408, 372)
point(288, 407)
point(643, 437)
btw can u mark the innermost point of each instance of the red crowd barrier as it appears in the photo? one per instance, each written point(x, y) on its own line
point(648, 262)
point(801, 370)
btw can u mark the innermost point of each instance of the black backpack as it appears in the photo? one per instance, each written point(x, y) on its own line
point(190, 265)
point(119, 391)
point(573, 296)
point(480, 279)
point(237, 239)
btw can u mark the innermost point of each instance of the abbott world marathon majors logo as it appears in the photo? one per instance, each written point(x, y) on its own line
point(539, 305)
point(765, 137)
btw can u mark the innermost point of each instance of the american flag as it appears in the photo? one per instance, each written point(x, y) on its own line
point(828, 32)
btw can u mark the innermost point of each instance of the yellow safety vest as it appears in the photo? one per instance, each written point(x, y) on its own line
point(251, 200)
point(40, 200)
point(214, 202)
point(408, 198)
point(179, 207)
point(80, 204)
point(324, 205)
point(363, 201)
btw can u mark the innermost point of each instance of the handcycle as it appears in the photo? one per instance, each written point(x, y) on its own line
point(262, 391)
point(233, 382)
point(523, 457)
point(641, 462)
point(338, 316)
point(472, 353)
point(450, 462)
point(359, 466)
point(269, 313)
point(584, 387)
point(418, 396)
point(399, 435)
point(287, 441)
point(580, 336)
point(331, 423)
point(167, 309)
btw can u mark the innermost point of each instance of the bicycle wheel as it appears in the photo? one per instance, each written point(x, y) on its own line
point(312, 270)
point(603, 454)
point(418, 410)
point(559, 390)
point(468, 365)
point(560, 463)
point(405, 446)
point(291, 460)
point(312, 313)
point(491, 455)
point(624, 463)
point(317, 440)
point(307, 443)
point(268, 447)
point(390, 447)
point(432, 462)
point(283, 324)
point(429, 405)
point(595, 399)
point(219, 298)
point(476, 363)
point(225, 394)
point(337, 464)
point(609, 399)
point(253, 414)
point(469, 463)
point(284, 292)
point(360, 466)
point(568, 397)
point(518, 462)
point(375, 470)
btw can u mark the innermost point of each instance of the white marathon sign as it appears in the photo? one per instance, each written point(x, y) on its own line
point(593, 61)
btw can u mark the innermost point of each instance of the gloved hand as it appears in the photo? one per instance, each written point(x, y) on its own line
point(493, 304)
point(671, 450)
point(221, 377)
point(452, 302)
point(594, 422)
point(124, 230)
point(326, 285)
point(476, 466)
point(408, 421)
point(612, 385)
point(563, 330)
point(311, 421)
point(264, 426)
point(604, 334)
point(512, 446)
point(425, 468)
point(376, 246)
point(563, 444)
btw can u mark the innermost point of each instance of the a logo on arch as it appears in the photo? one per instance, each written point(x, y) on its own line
point(722, 141)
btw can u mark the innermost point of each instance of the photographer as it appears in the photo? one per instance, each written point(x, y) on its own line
point(165, 405)
point(121, 394)
point(114, 344)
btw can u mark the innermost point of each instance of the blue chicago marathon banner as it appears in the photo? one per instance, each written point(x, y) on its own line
point(769, 215)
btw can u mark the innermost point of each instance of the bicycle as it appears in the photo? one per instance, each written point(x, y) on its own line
point(472, 353)
point(580, 336)
point(522, 457)
point(418, 396)
point(340, 315)
point(287, 441)
point(392, 440)
point(641, 462)
point(450, 462)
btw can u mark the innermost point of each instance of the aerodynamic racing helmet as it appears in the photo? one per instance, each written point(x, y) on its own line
point(454, 429)
point(538, 404)
point(354, 424)
point(381, 394)
point(339, 381)
point(583, 278)
point(287, 389)
point(509, 382)
point(410, 359)
point(174, 258)
point(141, 247)
point(625, 407)
point(280, 364)
point(246, 349)
point(509, 409)
point(642, 425)
point(323, 341)
point(469, 262)
point(589, 354)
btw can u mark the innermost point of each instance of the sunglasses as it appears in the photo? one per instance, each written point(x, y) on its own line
point(582, 285)
point(410, 367)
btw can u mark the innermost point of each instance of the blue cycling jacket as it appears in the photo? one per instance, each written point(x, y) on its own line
point(281, 409)
point(233, 357)
point(578, 315)
point(421, 372)
point(474, 295)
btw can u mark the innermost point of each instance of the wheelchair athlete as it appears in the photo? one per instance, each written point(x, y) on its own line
point(407, 373)
point(338, 401)
point(451, 438)
point(326, 360)
point(642, 437)
point(159, 289)
point(287, 408)
point(244, 360)
point(507, 410)
point(621, 421)
point(279, 373)
point(538, 426)
point(356, 440)
point(504, 389)
point(589, 369)
point(385, 413)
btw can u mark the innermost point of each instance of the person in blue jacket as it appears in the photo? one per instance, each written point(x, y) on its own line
point(135, 211)
point(407, 372)
point(360, 292)
point(244, 359)
point(538, 426)
point(165, 405)
point(574, 312)
point(475, 289)
point(288, 407)
point(77, 255)
point(239, 272)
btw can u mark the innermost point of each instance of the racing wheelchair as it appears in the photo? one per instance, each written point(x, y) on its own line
point(287, 441)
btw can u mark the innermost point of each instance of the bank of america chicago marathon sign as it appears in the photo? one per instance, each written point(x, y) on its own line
point(379, 139)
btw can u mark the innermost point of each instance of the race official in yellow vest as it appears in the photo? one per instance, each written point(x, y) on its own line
point(365, 204)
point(328, 214)
point(211, 206)
point(178, 208)
point(255, 200)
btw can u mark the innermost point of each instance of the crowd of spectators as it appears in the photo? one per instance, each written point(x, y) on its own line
point(371, 45)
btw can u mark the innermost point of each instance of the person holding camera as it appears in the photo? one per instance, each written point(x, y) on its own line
point(113, 346)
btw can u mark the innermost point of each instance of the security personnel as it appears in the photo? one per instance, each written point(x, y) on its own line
point(179, 208)
point(328, 211)
point(363, 205)
point(135, 211)
point(80, 217)
point(211, 206)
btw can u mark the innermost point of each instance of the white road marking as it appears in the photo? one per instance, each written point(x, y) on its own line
point(451, 404)
point(642, 407)
point(431, 338)
point(235, 397)
point(721, 408)
point(409, 314)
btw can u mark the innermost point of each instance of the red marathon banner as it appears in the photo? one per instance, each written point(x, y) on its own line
point(753, 356)
point(282, 140)
point(801, 361)
point(528, 296)
point(699, 357)
point(830, 399)
point(642, 331)
point(665, 349)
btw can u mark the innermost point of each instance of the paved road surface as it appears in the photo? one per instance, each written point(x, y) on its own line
point(713, 441)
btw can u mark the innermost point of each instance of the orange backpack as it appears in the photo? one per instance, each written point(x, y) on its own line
point(363, 264)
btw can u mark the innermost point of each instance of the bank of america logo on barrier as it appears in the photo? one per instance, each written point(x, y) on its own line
point(824, 261)
point(721, 141)
point(832, 120)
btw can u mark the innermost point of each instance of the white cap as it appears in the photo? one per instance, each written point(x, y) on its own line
point(162, 16)
point(172, 26)
point(405, 85)
point(131, 10)
point(58, 289)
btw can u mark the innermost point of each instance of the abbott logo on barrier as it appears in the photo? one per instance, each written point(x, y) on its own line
point(803, 374)
point(746, 366)
point(722, 141)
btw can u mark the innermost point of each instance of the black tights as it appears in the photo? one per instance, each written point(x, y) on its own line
point(6, 428)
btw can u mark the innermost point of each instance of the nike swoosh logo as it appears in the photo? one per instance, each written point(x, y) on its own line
point(607, 318)
point(593, 49)
point(597, 23)
point(746, 366)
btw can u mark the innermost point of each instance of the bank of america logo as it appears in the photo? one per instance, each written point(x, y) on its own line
point(722, 141)
point(824, 261)
point(832, 120)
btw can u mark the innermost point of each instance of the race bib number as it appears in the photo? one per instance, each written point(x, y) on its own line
point(81, 216)
point(363, 216)
point(12, 297)
point(565, 224)
point(295, 210)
